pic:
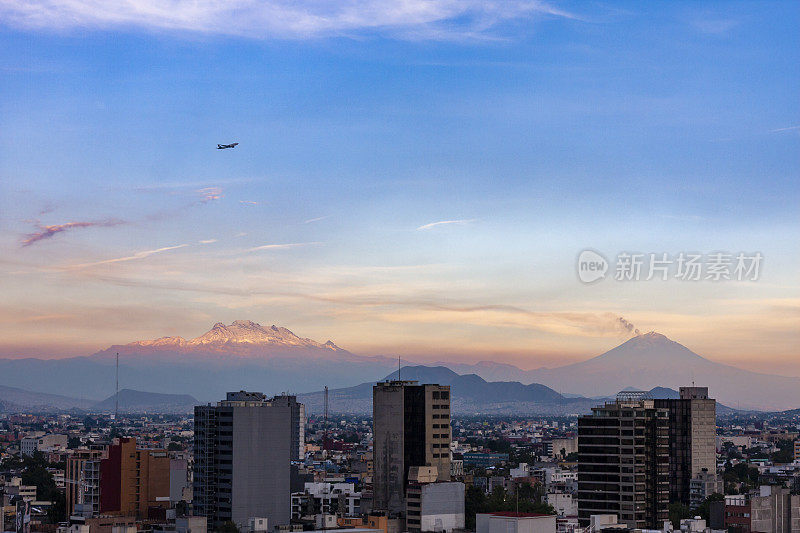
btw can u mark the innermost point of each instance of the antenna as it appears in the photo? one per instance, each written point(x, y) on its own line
point(116, 396)
point(398, 368)
point(325, 429)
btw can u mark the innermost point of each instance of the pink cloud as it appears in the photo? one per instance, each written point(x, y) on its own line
point(45, 232)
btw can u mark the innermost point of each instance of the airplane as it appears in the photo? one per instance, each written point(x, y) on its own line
point(223, 146)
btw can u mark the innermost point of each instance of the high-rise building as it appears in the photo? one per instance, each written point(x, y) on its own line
point(637, 454)
point(623, 462)
point(243, 448)
point(692, 440)
point(75, 481)
point(133, 481)
point(411, 427)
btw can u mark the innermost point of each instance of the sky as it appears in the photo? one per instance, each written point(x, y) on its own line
point(413, 178)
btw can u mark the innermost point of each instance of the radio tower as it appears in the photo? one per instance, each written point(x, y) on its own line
point(116, 396)
point(325, 423)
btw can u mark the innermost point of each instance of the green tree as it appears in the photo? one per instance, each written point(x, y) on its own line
point(474, 503)
point(704, 509)
point(785, 453)
point(678, 511)
point(227, 527)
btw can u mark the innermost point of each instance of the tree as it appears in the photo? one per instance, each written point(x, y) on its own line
point(174, 447)
point(785, 453)
point(678, 511)
point(227, 527)
point(474, 502)
point(704, 509)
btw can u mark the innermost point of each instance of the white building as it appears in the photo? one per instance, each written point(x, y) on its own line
point(521, 471)
point(435, 507)
point(44, 443)
point(508, 522)
point(565, 504)
point(326, 498)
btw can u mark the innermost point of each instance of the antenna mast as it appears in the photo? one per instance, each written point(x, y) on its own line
point(325, 430)
point(398, 368)
point(116, 396)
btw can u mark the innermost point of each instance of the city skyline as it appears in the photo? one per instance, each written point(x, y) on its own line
point(416, 183)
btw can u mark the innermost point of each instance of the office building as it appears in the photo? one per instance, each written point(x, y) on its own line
point(243, 448)
point(637, 454)
point(692, 440)
point(133, 481)
point(411, 426)
point(623, 462)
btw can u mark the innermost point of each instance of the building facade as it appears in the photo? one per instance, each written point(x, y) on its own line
point(623, 464)
point(243, 450)
point(411, 427)
point(637, 454)
point(692, 440)
point(437, 506)
point(133, 480)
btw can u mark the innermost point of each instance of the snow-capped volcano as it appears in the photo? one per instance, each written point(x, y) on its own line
point(240, 332)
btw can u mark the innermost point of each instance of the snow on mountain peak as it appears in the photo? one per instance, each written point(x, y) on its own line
point(249, 332)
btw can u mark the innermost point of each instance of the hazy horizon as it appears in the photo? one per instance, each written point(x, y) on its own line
point(415, 182)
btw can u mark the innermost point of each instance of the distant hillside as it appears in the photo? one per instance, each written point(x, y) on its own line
point(134, 401)
point(15, 399)
point(470, 394)
point(652, 360)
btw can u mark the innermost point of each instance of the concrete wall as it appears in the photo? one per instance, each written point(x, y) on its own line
point(262, 451)
point(442, 506)
point(703, 435)
point(489, 523)
point(388, 424)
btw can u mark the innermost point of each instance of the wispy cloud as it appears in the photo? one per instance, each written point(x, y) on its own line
point(45, 232)
point(209, 194)
point(248, 202)
point(137, 255)
point(444, 223)
point(789, 128)
point(207, 241)
point(408, 19)
point(311, 220)
point(282, 246)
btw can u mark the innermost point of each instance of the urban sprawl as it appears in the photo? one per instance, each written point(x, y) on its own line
point(251, 463)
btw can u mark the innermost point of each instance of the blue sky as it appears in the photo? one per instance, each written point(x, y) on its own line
point(536, 130)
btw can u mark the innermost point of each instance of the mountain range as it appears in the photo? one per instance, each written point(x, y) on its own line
point(652, 360)
point(272, 359)
point(13, 399)
point(471, 394)
point(241, 355)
